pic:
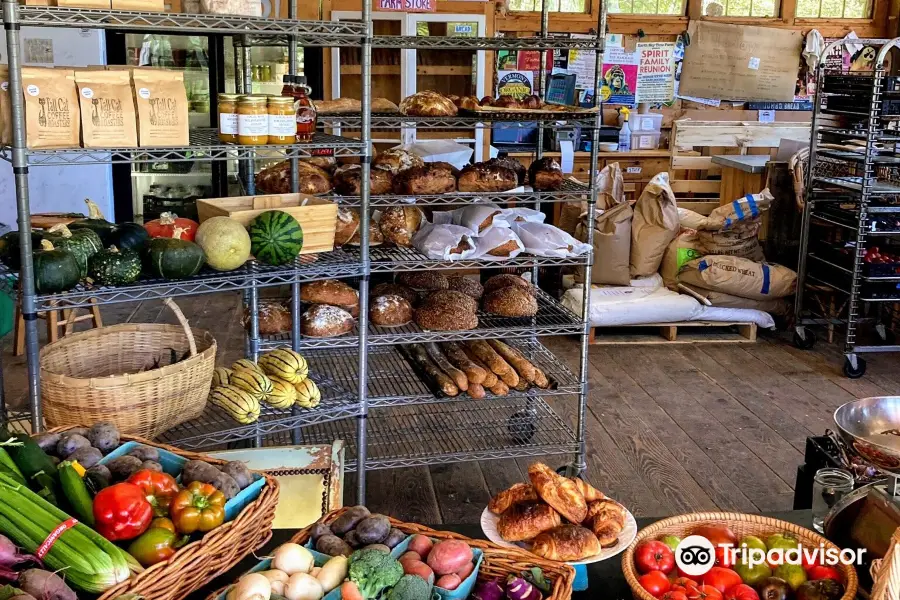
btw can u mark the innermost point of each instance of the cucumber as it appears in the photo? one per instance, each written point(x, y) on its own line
point(76, 492)
point(35, 464)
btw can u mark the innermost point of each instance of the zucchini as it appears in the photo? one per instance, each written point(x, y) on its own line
point(35, 464)
point(76, 492)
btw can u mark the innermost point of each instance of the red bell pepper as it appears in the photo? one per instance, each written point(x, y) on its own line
point(159, 489)
point(121, 512)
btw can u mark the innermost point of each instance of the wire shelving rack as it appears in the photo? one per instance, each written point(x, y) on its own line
point(851, 180)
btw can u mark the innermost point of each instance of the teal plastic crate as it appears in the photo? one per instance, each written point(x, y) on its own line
point(172, 464)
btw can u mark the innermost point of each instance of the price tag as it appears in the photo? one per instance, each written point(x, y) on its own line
point(767, 116)
point(633, 170)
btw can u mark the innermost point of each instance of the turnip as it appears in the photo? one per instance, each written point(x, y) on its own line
point(292, 558)
point(45, 585)
point(10, 556)
point(252, 586)
point(303, 586)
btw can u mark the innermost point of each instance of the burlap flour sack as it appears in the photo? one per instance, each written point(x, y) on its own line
point(107, 109)
point(743, 210)
point(162, 107)
point(774, 306)
point(694, 220)
point(742, 241)
point(654, 226)
point(739, 277)
point(51, 108)
point(612, 230)
point(682, 250)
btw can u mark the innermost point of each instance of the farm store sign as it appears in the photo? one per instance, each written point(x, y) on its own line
point(415, 6)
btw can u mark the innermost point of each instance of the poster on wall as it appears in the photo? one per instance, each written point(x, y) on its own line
point(620, 67)
point(529, 60)
point(583, 64)
point(656, 72)
point(517, 84)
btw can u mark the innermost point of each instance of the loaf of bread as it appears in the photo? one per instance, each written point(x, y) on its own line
point(510, 301)
point(277, 179)
point(397, 160)
point(423, 280)
point(506, 280)
point(390, 311)
point(274, 318)
point(384, 106)
point(484, 177)
point(432, 178)
point(531, 102)
point(467, 285)
point(400, 223)
point(512, 164)
point(395, 289)
point(456, 355)
point(346, 225)
point(348, 181)
point(329, 291)
point(482, 351)
point(322, 320)
point(447, 313)
point(326, 163)
point(522, 365)
point(375, 237)
point(545, 175)
point(468, 103)
point(338, 106)
point(487, 101)
point(428, 104)
point(526, 520)
point(505, 101)
point(452, 299)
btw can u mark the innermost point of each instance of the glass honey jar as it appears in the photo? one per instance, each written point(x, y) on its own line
point(253, 121)
point(282, 120)
point(228, 118)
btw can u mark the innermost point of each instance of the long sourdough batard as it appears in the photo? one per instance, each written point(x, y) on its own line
point(276, 237)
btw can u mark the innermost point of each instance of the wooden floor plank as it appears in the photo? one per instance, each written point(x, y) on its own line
point(405, 494)
point(461, 492)
point(501, 474)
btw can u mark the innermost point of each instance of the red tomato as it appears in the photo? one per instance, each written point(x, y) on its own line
point(704, 592)
point(717, 534)
point(655, 582)
point(722, 579)
point(654, 556)
point(681, 584)
point(674, 595)
point(807, 563)
point(683, 575)
point(741, 592)
point(823, 572)
point(723, 557)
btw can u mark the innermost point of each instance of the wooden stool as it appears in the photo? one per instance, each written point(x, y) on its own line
point(825, 298)
point(70, 316)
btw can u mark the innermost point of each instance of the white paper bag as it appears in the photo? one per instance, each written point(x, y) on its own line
point(542, 239)
point(520, 214)
point(444, 242)
point(496, 238)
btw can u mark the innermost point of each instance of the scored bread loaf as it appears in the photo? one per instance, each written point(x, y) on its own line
point(276, 179)
point(322, 320)
point(483, 352)
point(400, 223)
point(326, 163)
point(510, 163)
point(375, 236)
point(511, 301)
point(545, 175)
point(456, 355)
point(329, 291)
point(390, 311)
point(337, 106)
point(428, 104)
point(485, 177)
point(396, 160)
point(432, 178)
point(515, 358)
point(395, 289)
point(274, 318)
point(383, 105)
point(348, 181)
point(505, 280)
point(346, 225)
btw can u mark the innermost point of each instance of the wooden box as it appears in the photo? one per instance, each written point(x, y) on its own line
point(139, 5)
point(316, 216)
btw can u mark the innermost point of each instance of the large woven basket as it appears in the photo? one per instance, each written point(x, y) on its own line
point(102, 375)
point(741, 525)
point(887, 576)
point(497, 562)
point(196, 564)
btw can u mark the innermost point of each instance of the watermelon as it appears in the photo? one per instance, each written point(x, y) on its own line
point(276, 237)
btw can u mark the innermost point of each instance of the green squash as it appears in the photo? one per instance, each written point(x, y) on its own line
point(10, 254)
point(83, 244)
point(129, 236)
point(171, 258)
point(54, 270)
point(95, 221)
point(115, 267)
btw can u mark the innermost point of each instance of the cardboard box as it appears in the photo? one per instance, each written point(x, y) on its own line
point(316, 216)
point(140, 5)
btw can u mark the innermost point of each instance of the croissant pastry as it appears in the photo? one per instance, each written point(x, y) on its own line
point(559, 492)
point(525, 520)
point(589, 492)
point(519, 492)
point(566, 543)
point(606, 518)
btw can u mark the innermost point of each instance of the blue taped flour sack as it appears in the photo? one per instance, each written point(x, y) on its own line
point(739, 277)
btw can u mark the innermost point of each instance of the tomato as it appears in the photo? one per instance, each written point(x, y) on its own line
point(655, 582)
point(719, 535)
point(674, 595)
point(741, 592)
point(724, 556)
point(683, 575)
point(654, 556)
point(722, 579)
point(681, 584)
point(704, 592)
point(823, 572)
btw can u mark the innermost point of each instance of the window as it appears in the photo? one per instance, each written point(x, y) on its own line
point(646, 7)
point(834, 9)
point(742, 8)
point(569, 6)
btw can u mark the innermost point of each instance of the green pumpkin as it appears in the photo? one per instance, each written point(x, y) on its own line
point(54, 270)
point(95, 221)
point(83, 244)
point(171, 258)
point(115, 267)
point(10, 254)
point(129, 236)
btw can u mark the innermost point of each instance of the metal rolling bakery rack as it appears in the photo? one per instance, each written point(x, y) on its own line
point(213, 427)
point(853, 190)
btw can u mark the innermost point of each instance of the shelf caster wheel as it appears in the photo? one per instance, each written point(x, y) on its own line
point(806, 340)
point(854, 371)
point(521, 427)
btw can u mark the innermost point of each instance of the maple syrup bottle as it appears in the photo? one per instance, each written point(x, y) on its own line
point(305, 111)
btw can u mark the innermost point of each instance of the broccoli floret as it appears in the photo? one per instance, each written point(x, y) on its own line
point(411, 587)
point(373, 571)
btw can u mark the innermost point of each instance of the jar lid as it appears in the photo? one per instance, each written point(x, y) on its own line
point(280, 100)
point(252, 99)
point(228, 97)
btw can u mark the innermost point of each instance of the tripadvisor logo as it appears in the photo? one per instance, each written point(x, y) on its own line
point(695, 555)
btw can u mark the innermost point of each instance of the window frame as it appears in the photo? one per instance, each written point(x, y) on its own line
point(588, 7)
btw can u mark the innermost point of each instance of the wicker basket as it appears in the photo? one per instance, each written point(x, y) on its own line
point(497, 562)
point(741, 525)
point(196, 564)
point(98, 375)
point(887, 577)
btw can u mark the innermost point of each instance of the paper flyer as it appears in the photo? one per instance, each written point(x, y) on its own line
point(656, 72)
point(583, 64)
point(619, 75)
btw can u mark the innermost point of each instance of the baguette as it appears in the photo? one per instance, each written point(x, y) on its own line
point(483, 351)
point(516, 359)
point(501, 389)
point(512, 379)
point(522, 386)
point(490, 378)
point(444, 382)
point(540, 379)
point(456, 355)
point(476, 390)
point(458, 377)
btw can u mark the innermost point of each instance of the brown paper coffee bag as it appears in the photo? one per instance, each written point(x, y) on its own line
point(162, 107)
point(52, 117)
point(107, 109)
point(5, 108)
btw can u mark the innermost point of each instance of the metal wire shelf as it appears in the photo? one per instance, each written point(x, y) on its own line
point(571, 191)
point(485, 43)
point(309, 33)
point(448, 433)
point(479, 121)
point(308, 267)
point(552, 319)
point(389, 259)
point(878, 188)
point(889, 135)
point(860, 157)
point(204, 146)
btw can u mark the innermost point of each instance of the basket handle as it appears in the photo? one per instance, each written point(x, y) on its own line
point(887, 582)
point(192, 344)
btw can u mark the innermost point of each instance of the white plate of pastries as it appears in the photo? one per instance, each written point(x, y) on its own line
point(558, 518)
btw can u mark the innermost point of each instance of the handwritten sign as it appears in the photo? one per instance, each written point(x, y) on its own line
point(656, 72)
point(413, 6)
point(740, 62)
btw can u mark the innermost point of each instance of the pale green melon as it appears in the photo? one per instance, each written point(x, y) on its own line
point(225, 242)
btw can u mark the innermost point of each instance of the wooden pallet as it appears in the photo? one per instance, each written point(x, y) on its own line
point(701, 332)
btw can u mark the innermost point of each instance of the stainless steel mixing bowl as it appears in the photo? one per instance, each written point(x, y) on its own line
point(862, 425)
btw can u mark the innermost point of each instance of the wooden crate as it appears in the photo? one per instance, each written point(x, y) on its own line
point(315, 215)
point(701, 332)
